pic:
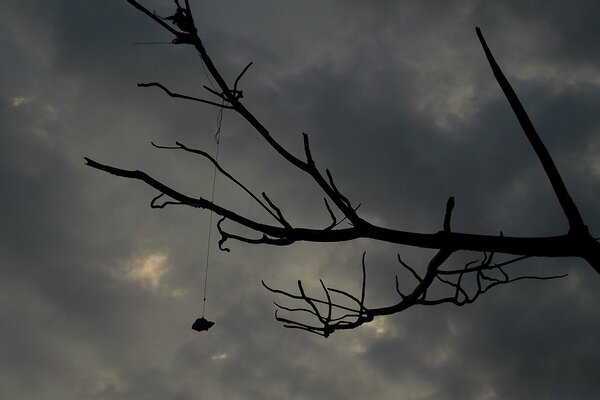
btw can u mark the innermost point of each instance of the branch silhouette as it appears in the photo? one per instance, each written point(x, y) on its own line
point(340, 310)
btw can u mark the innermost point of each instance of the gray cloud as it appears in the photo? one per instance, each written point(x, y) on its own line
point(98, 291)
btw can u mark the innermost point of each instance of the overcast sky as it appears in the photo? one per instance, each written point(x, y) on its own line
point(98, 291)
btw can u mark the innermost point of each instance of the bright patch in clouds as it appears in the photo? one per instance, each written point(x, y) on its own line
point(146, 271)
point(379, 327)
point(219, 356)
point(20, 100)
point(374, 330)
point(177, 293)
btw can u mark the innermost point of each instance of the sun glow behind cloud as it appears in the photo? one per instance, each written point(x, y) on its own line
point(375, 330)
point(148, 271)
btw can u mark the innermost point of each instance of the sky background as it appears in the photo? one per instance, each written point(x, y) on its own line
point(98, 291)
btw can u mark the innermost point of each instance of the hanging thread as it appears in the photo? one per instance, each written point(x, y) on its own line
point(212, 199)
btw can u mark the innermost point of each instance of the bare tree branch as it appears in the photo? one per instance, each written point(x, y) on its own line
point(566, 202)
point(332, 312)
point(163, 204)
point(155, 17)
point(418, 296)
point(183, 96)
point(551, 246)
point(235, 89)
point(180, 146)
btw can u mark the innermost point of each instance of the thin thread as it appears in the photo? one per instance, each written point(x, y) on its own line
point(210, 82)
point(212, 199)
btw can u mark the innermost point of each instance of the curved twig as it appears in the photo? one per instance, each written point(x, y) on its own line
point(183, 96)
point(215, 163)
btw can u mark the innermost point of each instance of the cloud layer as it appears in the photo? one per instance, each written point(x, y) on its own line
point(98, 291)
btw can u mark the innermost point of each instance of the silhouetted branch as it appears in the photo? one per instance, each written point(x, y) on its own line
point(215, 163)
point(331, 214)
point(299, 297)
point(264, 239)
point(418, 295)
point(483, 282)
point(183, 96)
point(465, 284)
point(279, 216)
point(153, 203)
point(564, 245)
point(566, 202)
point(235, 84)
point(155, 17)
point(448, 214)
point(552, 246)
point(589, 248)
point(408, 267)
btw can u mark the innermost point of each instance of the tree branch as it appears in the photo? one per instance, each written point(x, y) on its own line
point(482, 275)
point(563, 196)
point(588, 248)
point(551, 246)
point(183, 96)
point(215, 163)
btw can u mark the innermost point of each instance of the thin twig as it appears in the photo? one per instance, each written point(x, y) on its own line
point(183, 96)
point(214, 162)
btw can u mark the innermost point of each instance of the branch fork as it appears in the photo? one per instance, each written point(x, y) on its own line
point(331, 311)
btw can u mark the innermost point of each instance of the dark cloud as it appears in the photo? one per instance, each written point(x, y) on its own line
point(98, 291)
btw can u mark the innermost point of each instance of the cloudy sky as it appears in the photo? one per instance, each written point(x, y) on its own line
point(98, 291)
